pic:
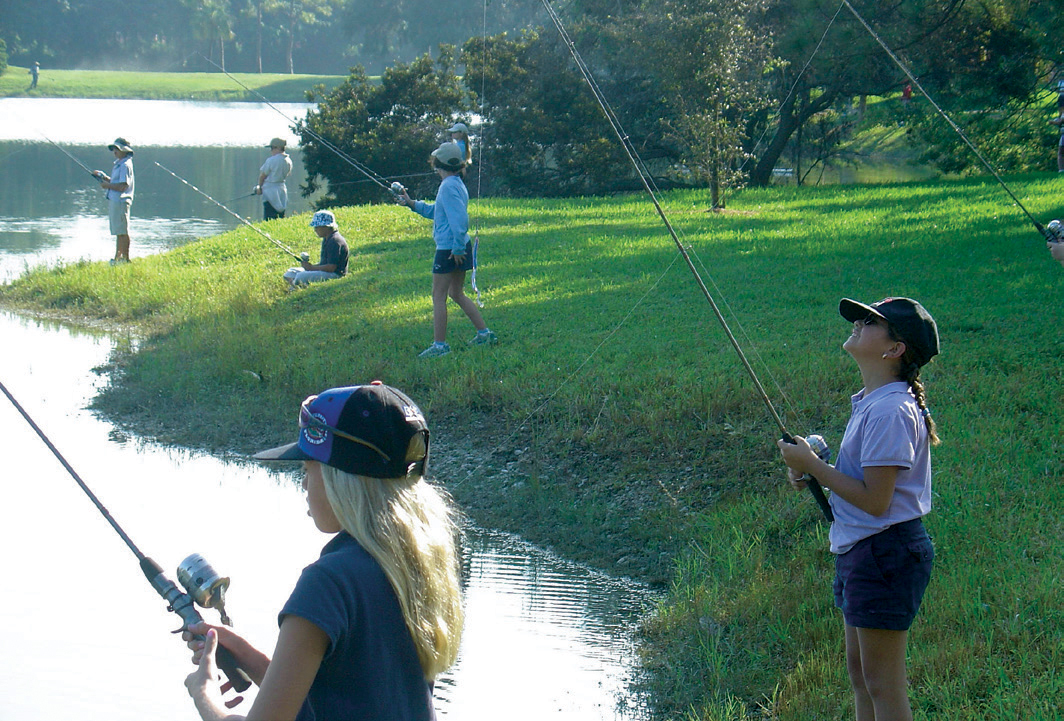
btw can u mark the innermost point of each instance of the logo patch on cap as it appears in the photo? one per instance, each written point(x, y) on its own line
point(315, 434)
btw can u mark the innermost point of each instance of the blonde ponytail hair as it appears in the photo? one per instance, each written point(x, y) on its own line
point(408, 526)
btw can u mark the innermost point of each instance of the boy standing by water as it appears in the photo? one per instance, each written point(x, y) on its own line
point(119, 187)
point(271, 181)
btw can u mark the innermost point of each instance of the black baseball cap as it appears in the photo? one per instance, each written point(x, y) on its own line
point(364, 430)
point(910, 321)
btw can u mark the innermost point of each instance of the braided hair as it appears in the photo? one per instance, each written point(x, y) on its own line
point(909, 371)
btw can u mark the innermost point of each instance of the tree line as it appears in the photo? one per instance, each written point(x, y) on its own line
point(280, 36)
point(713, 93)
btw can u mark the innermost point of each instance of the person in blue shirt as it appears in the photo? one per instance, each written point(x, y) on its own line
point(454, 250)
point(374, 621)
point(881, 488)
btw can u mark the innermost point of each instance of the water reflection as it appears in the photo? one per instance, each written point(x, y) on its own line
point(85, 636)
point(148, 122)
point(51, 211)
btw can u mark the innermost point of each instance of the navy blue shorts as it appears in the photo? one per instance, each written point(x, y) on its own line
point(443, 263)
point(880, 582)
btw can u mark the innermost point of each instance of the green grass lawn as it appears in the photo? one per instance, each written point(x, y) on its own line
point(614, 422)
point(274, 87)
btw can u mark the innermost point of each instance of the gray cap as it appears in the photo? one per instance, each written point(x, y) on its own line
point(121, 144)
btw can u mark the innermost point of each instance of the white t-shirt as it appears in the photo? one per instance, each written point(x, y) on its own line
point(276, 169)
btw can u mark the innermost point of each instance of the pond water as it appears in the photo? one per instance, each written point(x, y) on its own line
point(52, 211)
point(85, 635)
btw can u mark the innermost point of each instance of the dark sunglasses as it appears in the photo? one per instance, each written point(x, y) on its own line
point(306, 420)
point(871, 320)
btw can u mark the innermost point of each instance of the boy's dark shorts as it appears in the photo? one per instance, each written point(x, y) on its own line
point(443, 263)
point(880, 582)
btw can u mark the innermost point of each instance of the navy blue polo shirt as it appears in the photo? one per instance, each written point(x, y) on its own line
point(370, 670)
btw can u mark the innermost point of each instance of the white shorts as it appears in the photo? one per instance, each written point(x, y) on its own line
point(118, 212)
point(298, 276)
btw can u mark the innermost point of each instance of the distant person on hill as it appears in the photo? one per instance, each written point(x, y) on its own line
point(881, 487)
point(454, 250)
point(271, 181)
point(119, 187)
point(35, 71)
point(460, 137)
point(333, 258)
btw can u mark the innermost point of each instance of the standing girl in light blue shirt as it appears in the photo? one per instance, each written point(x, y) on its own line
point(881, 487)
point(454, 250)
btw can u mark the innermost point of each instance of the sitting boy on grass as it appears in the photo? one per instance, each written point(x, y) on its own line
point(333, 263)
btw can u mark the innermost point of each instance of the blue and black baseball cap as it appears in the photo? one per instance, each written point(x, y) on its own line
point(364, 430)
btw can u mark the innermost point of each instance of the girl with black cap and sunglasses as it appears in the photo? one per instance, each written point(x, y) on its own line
point(378, 616)
point(881, 487)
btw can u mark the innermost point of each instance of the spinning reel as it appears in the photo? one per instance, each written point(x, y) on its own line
point(204, 584)
point(820, 448)
point(1055, 231)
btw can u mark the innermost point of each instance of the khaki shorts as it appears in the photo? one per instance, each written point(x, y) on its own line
point(118, 212)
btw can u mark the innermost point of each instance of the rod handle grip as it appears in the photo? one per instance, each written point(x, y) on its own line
point(814, 487)
point(236, 675)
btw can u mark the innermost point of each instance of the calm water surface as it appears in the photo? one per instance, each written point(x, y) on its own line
point(85, 635)
point(87, 638)
point(51, 210)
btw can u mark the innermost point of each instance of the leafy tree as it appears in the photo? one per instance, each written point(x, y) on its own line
point(212, 20)
point(543, 134)
point(973, 56)
point(990, 72)
point(384, 30)
point(3, 57)
point(390, 128)
point(705, 57)
point(300, 16)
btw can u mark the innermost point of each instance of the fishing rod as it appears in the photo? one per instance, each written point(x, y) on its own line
point(1047, 233)
point(364, 169)
point(263, 233)
point(811, 483)
point(94, 173)
point(241, 197)
point(202, 583)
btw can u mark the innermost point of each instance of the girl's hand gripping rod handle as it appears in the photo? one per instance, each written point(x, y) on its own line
point(814, 487)
point(183, 605)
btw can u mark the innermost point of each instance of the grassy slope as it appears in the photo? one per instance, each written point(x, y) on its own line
point(643, 448)
point(161, 86)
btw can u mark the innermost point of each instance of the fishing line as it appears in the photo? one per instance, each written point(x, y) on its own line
point(180, 603)
point(632, 154)
point(246, 222)
point(794, 85)
point(480, 153)
point(543, 404)
point(1047, 234)
point(365, 170)
point(63, 150)
point(241, 197)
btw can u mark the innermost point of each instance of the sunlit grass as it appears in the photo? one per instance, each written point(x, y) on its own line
point(665, 446)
